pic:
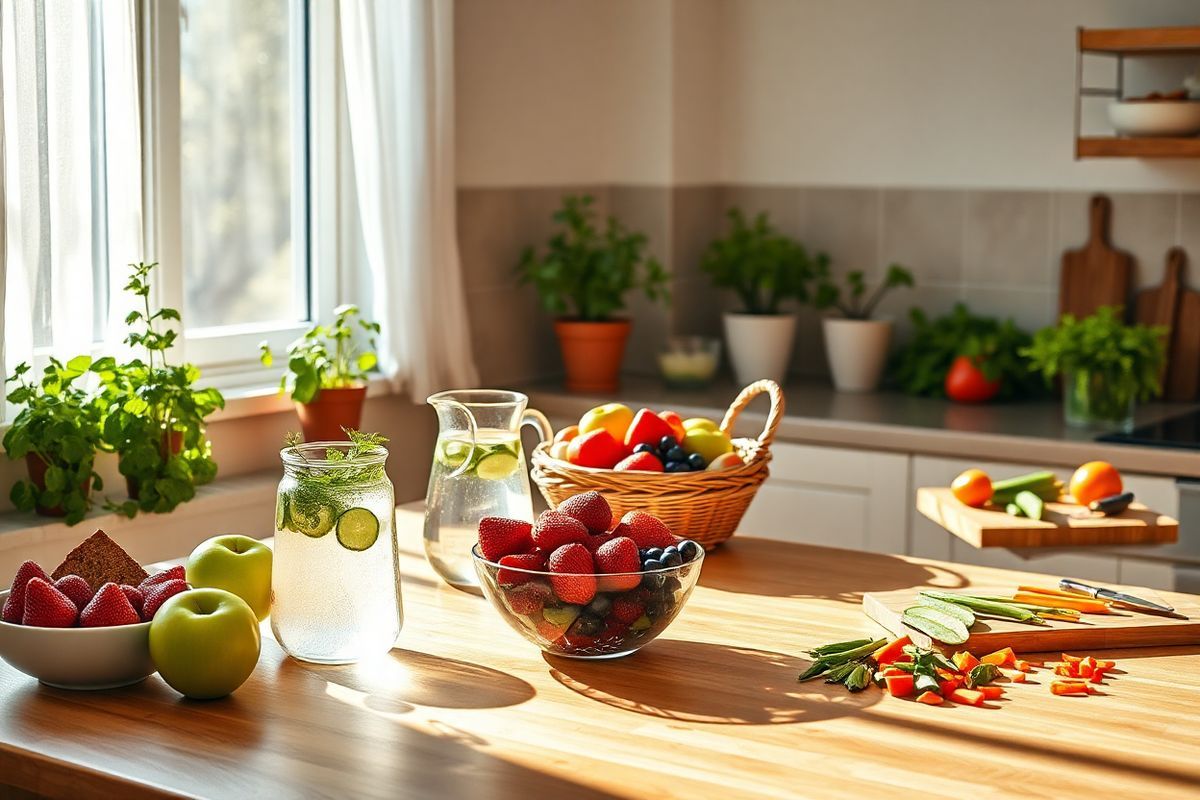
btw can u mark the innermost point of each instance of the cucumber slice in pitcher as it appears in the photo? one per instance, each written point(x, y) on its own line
point(497, 465)
point(452, 453)
point(357, 529)
point(312, 521)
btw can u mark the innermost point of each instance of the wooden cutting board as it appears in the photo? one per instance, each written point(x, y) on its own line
point(1183, 368)
point(1097, 632)
point(1160, 305)
point(1096, 274)
point(990, 527)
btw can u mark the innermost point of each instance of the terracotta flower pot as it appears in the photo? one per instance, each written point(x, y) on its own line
point(37, 476)
point(592, 353)
point(172, 439)
point(322, 420)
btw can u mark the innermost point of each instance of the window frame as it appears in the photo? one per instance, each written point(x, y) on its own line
point(230, 353)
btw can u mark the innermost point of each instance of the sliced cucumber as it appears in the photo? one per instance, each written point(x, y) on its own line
point(452, 453)
point(1030, 481)
point(497, 466)
point(357, 529)
point(961, 613)
point(1014, 510)
point(942, 627)
point(313, 521)
point(1030, 503)
point(281, 513)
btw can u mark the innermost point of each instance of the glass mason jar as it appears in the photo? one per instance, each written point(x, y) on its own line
point(1092, 400)
point(335, 584)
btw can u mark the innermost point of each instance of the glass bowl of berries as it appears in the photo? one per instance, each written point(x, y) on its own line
point(576, 585)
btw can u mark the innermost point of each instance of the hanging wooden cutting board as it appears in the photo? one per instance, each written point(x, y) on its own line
point(1096, 274)
point(1097, 632)
point(1160, 305)
point(1183, 367)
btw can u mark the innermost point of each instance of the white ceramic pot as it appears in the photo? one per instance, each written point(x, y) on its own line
point(760, 345)
point(857, 350)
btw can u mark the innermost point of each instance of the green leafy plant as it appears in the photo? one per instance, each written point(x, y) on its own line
point(60, 425)
point(856, 304)
point(154, 418)
point(994, 345)
point(762, 266)
point(1104, 362)
point(586, 273)
point(327, 357)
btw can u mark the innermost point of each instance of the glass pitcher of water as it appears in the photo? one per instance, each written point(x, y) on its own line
point(478, 471)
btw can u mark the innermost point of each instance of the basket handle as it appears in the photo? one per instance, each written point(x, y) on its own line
point(774, 416)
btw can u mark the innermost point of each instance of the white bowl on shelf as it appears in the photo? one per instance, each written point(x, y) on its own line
point(1155, 117)
point(79, 658)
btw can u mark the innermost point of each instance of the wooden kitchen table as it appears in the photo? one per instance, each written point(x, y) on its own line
point(464, 707)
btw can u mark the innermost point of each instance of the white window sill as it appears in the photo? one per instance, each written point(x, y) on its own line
point(249, 399)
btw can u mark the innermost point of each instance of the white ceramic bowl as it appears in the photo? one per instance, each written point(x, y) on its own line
point(1156, 118)
point(79, 658)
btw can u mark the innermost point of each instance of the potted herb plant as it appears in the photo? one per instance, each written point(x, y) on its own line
point(57, 433)
point(583, 278)
point(855, 344)
point(327, 373)
point(154, 416)
point(765, 269)
point(1106, 366)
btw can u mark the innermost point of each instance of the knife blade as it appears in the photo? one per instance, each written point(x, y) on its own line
point(1120, 598)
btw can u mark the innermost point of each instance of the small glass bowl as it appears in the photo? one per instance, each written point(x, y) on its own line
point(528, 602)
point(689, 362)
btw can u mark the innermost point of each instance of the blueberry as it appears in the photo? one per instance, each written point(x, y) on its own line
point(654, 552)
point(669, 549)
point(600, 606)
point(676, 453)
point(644, 448)
point(587, 625)
point(671, 558)
point(689, 550)
point(652, 563)
point(676, 466)
point(697, 461)
point(652, 580)
point(642, 554)
point(666, 443)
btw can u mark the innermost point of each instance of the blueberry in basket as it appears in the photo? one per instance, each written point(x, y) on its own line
point(576, 584)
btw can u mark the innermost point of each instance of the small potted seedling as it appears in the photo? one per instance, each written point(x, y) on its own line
point(327, 373)
point(856, 344)
point(765, 269)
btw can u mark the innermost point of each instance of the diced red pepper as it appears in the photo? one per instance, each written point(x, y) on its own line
point(968, 697)
point(930, 699)
point(899, 685)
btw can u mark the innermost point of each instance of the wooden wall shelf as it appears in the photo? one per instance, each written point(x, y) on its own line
point(1140, 41)
point(1125, 147)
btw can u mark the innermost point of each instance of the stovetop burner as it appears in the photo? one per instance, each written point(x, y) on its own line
point(1182, 432)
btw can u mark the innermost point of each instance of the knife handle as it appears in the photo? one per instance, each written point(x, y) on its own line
point(1069, 585)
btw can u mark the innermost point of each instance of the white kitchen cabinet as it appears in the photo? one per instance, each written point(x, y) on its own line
point(833, 496)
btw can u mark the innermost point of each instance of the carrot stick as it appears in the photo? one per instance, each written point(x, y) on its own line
point(1083, 604)
point(1053, 592)
point(1068, 688)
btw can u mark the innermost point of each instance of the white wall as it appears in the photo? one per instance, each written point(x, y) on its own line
point(975, 93)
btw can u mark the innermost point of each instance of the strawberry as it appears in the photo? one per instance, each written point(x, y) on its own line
point(522, 561)
point(14, 606)
point(598, 448)
point(108, 608)
point(646, 530)
point(549, 631)
point(47, 607)
point(528, 598)
point(590, 508)
point(155, 596)
point(134, 596)
point(593, 543)
point(640, 462)
point(619, 555)
point(75, 588)
point(175, 573)
point(647, 428)
point(573, 575)
point(553, 529)
point(500, 536)
point(626, 608)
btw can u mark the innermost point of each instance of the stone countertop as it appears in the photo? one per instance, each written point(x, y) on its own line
point(1032, 432)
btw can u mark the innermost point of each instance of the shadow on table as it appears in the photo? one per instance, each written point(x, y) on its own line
point(404, 679)
point(702, 682)
point(760, 566)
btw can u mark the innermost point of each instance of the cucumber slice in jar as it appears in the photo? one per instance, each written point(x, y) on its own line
point(312, 521)
point(497, 466)
point(281, 513)
point(357, 529)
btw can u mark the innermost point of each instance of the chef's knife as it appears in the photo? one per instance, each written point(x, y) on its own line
point(1120, 598)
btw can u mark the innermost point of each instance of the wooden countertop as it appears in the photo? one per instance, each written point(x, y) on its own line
point(463, 707)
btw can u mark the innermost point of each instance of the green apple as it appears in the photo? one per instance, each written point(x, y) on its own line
point(236, 564)
point(709, 444)
point(205, 643)
point(612, 417)
point(700, 423)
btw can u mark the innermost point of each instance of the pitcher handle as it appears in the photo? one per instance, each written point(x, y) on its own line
point(474, 429)
point(538, 420)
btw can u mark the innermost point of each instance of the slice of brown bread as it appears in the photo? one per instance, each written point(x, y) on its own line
point(100, 560)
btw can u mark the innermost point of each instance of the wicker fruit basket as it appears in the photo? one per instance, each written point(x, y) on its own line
point(704, 506)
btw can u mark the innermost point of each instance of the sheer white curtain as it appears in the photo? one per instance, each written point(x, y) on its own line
point(72, 179)
point(398, 62)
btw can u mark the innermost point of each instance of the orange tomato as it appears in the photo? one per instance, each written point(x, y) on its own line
point(566, 434)
point(1095, 480)
point(972, 488)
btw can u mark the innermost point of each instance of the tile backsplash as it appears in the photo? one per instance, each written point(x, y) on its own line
point(996, 250)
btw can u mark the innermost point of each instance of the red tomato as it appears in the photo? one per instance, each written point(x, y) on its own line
point(965, 382)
